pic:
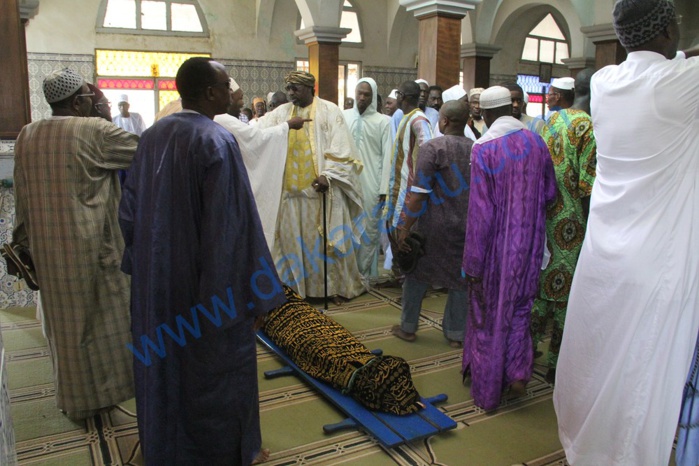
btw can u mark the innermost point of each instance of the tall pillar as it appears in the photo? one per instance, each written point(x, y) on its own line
point(324, 57)
point(439, 38)
point(15, 108)
point(577, 64)
point(476, 64)
point(608, 49)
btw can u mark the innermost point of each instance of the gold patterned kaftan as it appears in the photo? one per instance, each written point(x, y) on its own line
point(323, 146)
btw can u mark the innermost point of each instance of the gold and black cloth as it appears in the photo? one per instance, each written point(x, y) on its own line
point(327, 351)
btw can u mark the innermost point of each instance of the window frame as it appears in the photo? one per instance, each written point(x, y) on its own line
point(351, 8)
point(100, 28)
point(538, 40)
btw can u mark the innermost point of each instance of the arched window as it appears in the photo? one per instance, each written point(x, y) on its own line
point(170, 17)
point(349, 19)
point(546, 43)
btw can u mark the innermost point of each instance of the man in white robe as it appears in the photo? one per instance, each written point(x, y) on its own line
point(128, 121)
point(320, 158)
point(264, 155)
point(371, 132)
point(633, 313)
point(263, 152)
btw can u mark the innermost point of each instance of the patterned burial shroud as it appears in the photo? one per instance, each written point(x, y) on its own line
point(329, 352)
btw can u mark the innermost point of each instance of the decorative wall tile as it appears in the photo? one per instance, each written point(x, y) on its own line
point(257, 78)
point(7, 434)
point(13, 292)
point(7, 146)
point(41, 64)
point(388, 79)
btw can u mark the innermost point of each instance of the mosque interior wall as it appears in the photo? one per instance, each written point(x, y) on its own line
point(255, 40)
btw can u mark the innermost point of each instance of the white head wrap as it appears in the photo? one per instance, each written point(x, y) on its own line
point(234, 85)
point(393, 95)
point(496, 96)
point(422, 81)
point(61, 84)
point(373, 106)
point(475, 91)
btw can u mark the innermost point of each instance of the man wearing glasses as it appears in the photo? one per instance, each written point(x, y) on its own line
point(67, 194)
point(102, 106)
point(561, 95)
point(321, 158)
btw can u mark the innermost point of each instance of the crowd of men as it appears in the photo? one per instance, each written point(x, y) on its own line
point(524, 222)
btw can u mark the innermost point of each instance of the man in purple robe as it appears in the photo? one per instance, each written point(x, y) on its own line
point(201, 276)
point(512, 180)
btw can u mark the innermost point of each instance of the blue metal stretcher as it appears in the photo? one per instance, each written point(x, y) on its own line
point(390, 429)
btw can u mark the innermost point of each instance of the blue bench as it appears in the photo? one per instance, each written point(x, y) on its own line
point(390, 429)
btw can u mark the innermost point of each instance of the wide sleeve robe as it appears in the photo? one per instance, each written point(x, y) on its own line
point(201, 273)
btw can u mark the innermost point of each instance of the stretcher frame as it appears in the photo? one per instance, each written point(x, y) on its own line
point(389, 429)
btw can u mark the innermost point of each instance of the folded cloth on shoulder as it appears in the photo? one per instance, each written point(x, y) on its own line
point(327, 351)
point(19, 263)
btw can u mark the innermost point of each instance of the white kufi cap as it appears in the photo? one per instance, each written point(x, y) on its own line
point(234, 85)
point(453, 93)
point(123, 98)
point(565, 84)
point(496, 96)
point(393, 95)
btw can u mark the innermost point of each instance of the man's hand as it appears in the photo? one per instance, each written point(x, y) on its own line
point(321, 184)
point(296, 122)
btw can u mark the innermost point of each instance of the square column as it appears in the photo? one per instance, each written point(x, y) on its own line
point(324, 57)
point(577, 64)
point(608, 49)
point(14, 93)
point(438, 57)
point(439, 38)
point(476, 64)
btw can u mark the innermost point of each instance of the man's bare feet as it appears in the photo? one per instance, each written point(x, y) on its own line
point(398, 332)
point(337, 300)
point(516, 389)
point(466, 379)
point(262, 456)
point(392, 283)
